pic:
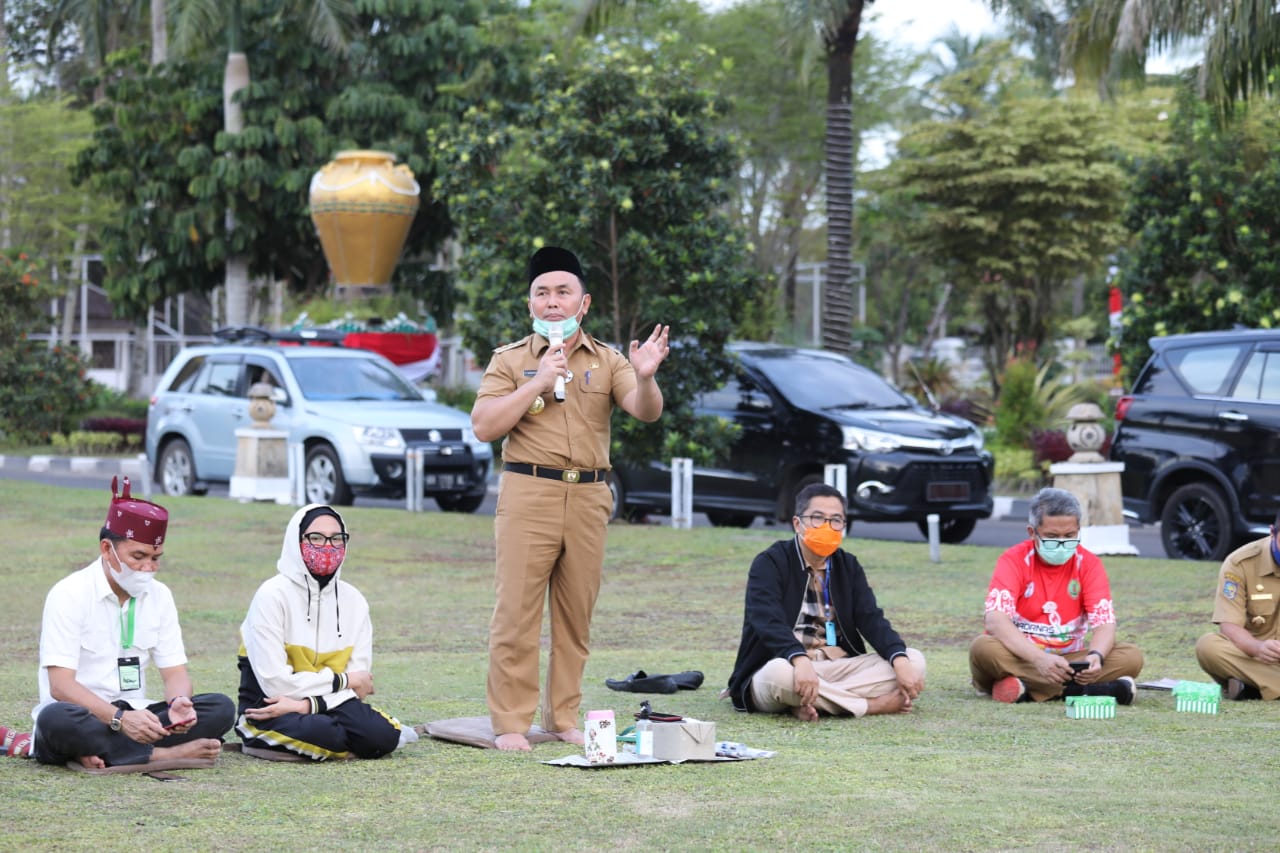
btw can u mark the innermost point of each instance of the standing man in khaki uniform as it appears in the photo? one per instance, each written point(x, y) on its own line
point(1244, 656)
point(553, 501)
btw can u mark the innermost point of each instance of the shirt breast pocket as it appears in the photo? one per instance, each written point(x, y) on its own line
point(1262, 612)
point(146, 640)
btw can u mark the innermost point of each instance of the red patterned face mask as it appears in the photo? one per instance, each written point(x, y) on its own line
point(322, 560)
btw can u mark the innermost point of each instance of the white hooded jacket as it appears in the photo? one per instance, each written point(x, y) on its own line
point(298, 636)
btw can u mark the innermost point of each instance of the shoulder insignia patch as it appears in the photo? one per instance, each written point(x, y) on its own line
point(511, 345)
point(1231, 584)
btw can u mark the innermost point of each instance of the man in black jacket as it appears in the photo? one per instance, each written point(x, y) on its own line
point(808, 612)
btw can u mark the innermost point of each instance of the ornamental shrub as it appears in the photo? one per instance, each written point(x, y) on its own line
point(43, 389)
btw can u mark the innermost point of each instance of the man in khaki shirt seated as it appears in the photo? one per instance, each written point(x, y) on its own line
point(1244, 654)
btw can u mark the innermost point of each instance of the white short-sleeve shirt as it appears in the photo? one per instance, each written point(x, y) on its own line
point(82, 630)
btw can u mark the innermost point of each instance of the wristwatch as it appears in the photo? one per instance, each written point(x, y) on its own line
point(115, 721)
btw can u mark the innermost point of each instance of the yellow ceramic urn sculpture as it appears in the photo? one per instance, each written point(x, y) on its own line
point(362, 205)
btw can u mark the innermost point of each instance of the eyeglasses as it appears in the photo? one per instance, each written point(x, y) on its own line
point(817, 519)
point(319, 540)
point(1056, 544)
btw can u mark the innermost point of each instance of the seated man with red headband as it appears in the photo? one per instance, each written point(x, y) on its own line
point(102, 626)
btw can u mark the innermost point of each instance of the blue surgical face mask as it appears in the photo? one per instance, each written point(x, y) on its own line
point(1275, 552)
point(1055, 555)
point(569, 324)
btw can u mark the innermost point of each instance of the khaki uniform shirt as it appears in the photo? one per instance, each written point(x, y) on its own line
point(572, 434)
point(1249, 590)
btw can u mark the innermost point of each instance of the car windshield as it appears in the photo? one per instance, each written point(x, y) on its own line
point(814, 382)
point(350, 379)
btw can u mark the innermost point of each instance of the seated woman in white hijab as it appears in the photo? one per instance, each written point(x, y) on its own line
point(306, 657)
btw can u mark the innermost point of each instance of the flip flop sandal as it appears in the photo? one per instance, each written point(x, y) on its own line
point(15, 744)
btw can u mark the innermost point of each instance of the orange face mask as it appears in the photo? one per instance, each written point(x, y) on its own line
point(822, 541)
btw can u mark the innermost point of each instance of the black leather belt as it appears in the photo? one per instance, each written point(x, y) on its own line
point(565, 475)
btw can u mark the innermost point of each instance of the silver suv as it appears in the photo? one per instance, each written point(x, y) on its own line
point(351, 410)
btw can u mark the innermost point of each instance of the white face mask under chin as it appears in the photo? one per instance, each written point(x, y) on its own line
point(133, 582)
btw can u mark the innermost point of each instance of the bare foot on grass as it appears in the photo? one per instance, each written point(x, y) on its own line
point(896, 702)
point(512, 742)
point(570, 736)
point(805, 713)
point(92, 762)
point(205, 747)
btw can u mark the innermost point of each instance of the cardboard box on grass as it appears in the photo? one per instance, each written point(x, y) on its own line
point(688, 740)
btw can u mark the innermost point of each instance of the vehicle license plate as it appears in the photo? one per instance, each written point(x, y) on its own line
point(947, 491)
point(439, 481)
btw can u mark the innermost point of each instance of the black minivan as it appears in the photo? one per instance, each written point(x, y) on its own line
point(802, 409)
point(1199, 436)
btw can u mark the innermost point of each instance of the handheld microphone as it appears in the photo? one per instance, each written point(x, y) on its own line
point(556, 340)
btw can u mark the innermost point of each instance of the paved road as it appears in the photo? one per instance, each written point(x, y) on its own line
point(1007, 527)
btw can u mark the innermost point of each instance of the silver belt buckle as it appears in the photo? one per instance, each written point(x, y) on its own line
point(571, 475)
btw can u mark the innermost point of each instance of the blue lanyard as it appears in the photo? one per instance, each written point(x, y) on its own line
point(829, 614)
point(826, 589)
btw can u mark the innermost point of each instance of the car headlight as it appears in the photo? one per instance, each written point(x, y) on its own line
point(978, 439)
point(379, 438)
point(869, 440)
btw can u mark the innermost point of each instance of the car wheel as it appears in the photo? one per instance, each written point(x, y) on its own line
point(176, 471)
point(787, 498)
point(324, 481)
point(953, 531)
point(725, 518)
point(619, 491)
point(1195, 524)
point(459, 502)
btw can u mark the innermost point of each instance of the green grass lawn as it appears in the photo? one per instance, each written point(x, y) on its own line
point(959, 773)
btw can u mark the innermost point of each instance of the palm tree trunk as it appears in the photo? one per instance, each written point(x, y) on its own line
point(6, 235)
point(159, 32)
point(235, 78)
point(837, 285)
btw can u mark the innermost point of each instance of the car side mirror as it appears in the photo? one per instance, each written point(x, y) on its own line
point(280, 396)
point(753, 402)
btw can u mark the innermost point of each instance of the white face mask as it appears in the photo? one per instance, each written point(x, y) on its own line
point(133, 582)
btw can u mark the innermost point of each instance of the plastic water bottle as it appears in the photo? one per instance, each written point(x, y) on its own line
point(644, 738)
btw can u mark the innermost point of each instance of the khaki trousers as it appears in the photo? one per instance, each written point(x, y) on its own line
point(844, 685)
point(990, 661)
point(1222, 659)
point(550, 539)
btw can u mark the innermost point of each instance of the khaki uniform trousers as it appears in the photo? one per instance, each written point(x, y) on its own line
point(1222, 659)
point(844, 684)
point(550, 539)
point(990, 661)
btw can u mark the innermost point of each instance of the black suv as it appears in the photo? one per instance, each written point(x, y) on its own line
point(801, 409)
point(1199, 437)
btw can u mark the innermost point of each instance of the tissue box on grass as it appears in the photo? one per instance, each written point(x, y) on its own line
point(1091, 707)
point(684, 741)
point(1197, 697)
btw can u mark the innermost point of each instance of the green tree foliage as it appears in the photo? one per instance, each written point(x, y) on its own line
point(39, 207)
point(1207, 218)
point(42, 389)
point(617, 157)
point(159, 147)
point(1017, 199)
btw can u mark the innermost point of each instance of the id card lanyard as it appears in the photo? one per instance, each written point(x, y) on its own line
point(126, 625)
point(129, 668)
point(826, 601)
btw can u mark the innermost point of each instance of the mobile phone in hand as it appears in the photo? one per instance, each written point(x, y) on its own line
point(172, 726)
point(1078, 665)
